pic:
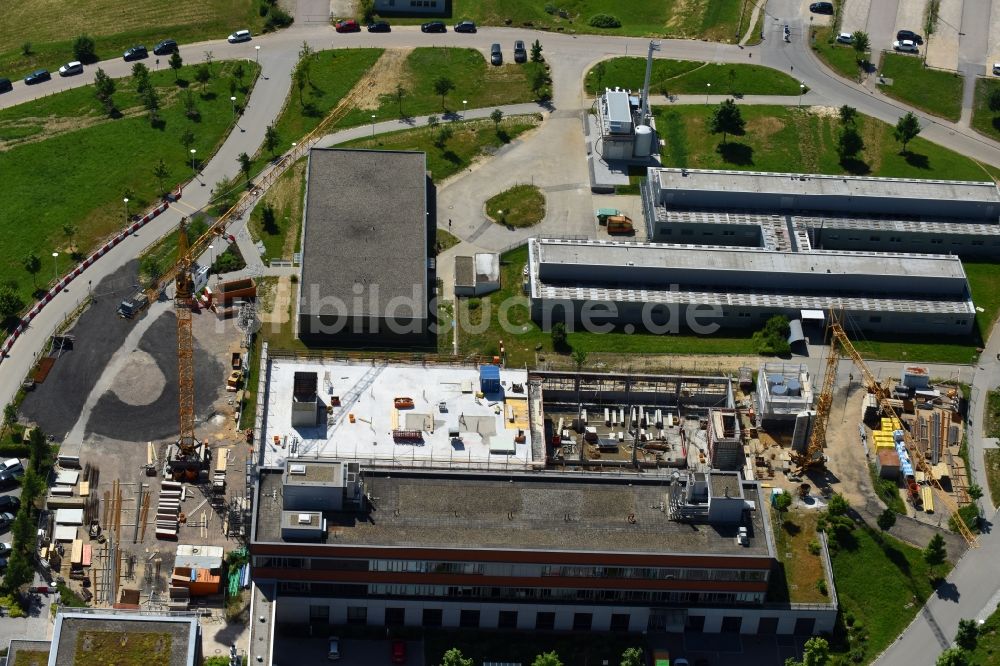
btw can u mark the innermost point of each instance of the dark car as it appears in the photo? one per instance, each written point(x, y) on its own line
point(5, 547)
point(137, 52)
point(166, 47)
point(349, 25)
point(909, 35)
point(434, 26)
point(465, 26)
point(3, 562)
point(397, 653)
point(496, 55)
point(37, 76)
point(10, 503)
point(5, 85)
point(520, 53)
point(821, 8)
point(379, 26)
point(7, 480)
point(5, 520)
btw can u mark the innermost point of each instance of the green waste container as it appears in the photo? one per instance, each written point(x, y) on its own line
point(604, 213)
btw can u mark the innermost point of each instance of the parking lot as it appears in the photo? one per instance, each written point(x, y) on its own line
point(313, 652)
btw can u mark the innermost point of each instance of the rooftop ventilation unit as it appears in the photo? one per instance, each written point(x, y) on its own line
point(304, 519)
point(296, 469)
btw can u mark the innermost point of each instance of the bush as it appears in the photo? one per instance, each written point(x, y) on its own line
point(277, 18)
point(773, 338)
point(84, 49)
point(814, 547)
point(821, 586)
point(604, 21)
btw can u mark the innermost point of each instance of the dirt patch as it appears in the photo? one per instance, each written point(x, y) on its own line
point(140, 382)
point(765, 127)
point(380, 80)
point(278, 314)
point(682, 10)
point(825, 111)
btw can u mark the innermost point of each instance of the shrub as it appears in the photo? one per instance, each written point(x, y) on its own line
point(84, 49)
point(814, 547)
point(821, 586)
point(604, 21)
point(277, 18)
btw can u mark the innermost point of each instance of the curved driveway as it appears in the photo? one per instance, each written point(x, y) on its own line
point(563, 176)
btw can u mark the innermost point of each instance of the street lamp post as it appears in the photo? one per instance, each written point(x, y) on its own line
point(373, 125)
point(708, 90)
point(211, 256)
point(192, 162)
point(465, 103)
point(802, 88)
point(55, 266)
point(126, 209)
point(256, 58)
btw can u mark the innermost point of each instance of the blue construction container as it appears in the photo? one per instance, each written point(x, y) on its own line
point(489, 379)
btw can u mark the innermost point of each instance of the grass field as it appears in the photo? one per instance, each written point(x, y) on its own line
point(983, 280)
point(802, 140)
point(43, 190)
point(445, 240)
point(331, 75)
point(934, 91)
point(469, 140)
point(716, 20)
point(520, 206)
point(987, 650)
point(477, 83)
point(682, 77)
point(866, 558)
point(983, 120)
point(800, 568)
point(993, 473)
point(52, 26)
point(285, 196)
point(841, 58)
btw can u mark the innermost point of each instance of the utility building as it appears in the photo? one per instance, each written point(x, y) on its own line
point(367, 239)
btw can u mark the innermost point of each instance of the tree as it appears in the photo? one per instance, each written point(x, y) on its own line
point(19, 571)
point(432, 121)
point(443, 136)
point(727, 119)
point(579, 358)
point(104, 90)
point(632, 657)
point(537, 78)
point(208, 61)
point(849, 142)
point(84, 49)
point(975, 492)
point(782, 502)
point(271, 139)
point(40, 450)
point(837, 505)
point(773, 338)
point(187, 140)
point(140, 75)
point(32, 263)
point(993, 100)
point(152, 103)
point(860, 44)
point(559, 335)
point(176, 62)
point(300, 84)
point(69, 231)
point(305, 61)
point(10, 303)
point(442, 86)
point(848, 114)
point(907, 129)
point(246, 164)
point(816, 652)
point(203, 74)
point(547, 659)
point(161, 173)
point(935, 553)
point(886, 520)
point(454, 657)
point(536, 52)
point(950, 657)
point(399, 94)
point(496, 116)
point(26, 49)
point(967, 634)
point(269, 220)
point(239, 72)
point(190, 106)
point(9, 414)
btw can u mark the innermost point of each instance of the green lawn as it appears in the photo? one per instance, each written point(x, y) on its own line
point(331, 75)
point(715, 20)
point(249, 407)
point(983, 280)
point(285, 197)
point(983, 120)
point(841, 58)
point(162, 254)
point(993, 473)
point(991, 426)
point(43, 190)
point(445, 240)
point(934, 91)
point(520, 206)
point(799, 567)
point(51, 28)
point(470, 140)
point(900, 573)
point(680, 77)
point(802, 140)
point(31, 658)
point(479, 84)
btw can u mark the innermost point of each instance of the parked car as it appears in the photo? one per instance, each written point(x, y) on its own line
point(465, 26)
point(240, 36)
point(845, 38)
point(520, 53)
point(496, 55)
point(10, 503)
point(37, 76)
point(13, 467)
point(905, 46)
point(5, 520)
point(397, 654)
point(821, 8)
point(166, 47)
point(7, 480)
point(137, 52)
point(910, 35)
point(71, 68)
point(348, 25)
point(333, 652)
point(379, 26)
point(433, 26)
point(3, 562)
point(996, 69)
point(5, 547)
point(6, 85)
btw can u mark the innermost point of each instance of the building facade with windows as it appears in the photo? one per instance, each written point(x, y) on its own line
point(518, 551)
point(408, 7)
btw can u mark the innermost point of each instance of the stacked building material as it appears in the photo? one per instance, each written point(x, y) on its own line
point(168, 509)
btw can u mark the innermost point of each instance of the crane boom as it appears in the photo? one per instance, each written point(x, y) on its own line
point(183, 303)
point(813, 456)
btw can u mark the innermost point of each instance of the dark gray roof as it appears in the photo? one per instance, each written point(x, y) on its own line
point(518, 512)
point(465, 272)
point(366, 224)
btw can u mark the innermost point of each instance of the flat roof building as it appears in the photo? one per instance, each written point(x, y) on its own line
point(173, 638)
point(367, 233)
